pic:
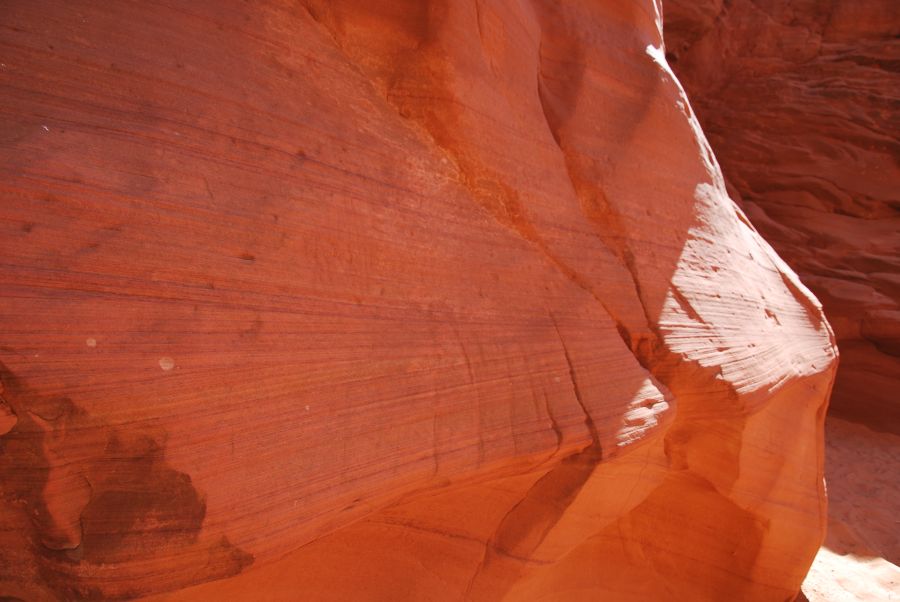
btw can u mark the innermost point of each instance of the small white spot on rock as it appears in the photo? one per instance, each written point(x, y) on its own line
point(46, 129)
point(92, 342)
point(166, 363)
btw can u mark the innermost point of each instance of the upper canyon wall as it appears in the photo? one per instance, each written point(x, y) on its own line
point(387, 300)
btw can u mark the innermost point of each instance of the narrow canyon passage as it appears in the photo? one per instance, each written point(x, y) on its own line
point(800, 101)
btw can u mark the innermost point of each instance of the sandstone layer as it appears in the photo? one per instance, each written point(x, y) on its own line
point(800, 101)
point(394, 300)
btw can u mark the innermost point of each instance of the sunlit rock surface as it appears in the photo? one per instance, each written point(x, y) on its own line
point(800, 101)
point(388, 300)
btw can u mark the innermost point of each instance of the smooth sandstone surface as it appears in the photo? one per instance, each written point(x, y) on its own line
point(388, 300)
point(800, 102)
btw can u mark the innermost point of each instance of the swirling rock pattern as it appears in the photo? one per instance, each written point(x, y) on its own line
point(386, 300)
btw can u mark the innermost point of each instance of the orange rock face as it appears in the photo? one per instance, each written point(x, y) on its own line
point(799, 100)
point(388, 300)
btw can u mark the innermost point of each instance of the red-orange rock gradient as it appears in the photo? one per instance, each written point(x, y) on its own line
point(384, 301)
point(800, 101)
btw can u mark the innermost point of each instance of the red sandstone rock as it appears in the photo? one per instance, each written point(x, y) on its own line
point(388, 300)
point(800, 102)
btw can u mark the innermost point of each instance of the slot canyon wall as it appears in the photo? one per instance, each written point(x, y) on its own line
point(388, 300)
point(800, 101)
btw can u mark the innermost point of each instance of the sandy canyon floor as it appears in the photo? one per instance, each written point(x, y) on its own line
point(862, 550)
